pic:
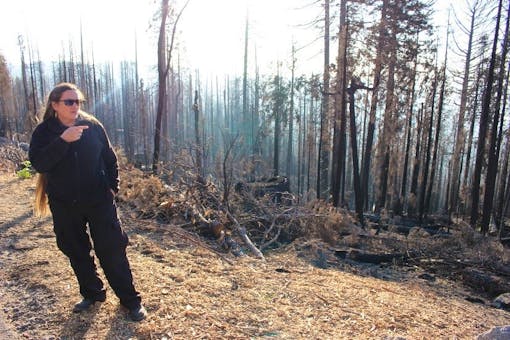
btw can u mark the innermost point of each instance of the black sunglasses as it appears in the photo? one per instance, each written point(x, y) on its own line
point(70, 102)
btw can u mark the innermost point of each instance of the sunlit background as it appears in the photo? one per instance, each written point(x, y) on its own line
point(211, 33)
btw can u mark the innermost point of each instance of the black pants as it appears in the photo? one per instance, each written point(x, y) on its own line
point(109, 240)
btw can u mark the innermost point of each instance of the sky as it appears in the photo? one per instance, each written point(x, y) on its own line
point(211, 31)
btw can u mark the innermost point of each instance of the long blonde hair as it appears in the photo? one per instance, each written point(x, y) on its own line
point(41, 208)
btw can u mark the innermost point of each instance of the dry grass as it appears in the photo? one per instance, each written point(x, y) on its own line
point(192, 293)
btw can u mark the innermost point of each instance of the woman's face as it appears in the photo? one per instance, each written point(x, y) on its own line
point(67, 107)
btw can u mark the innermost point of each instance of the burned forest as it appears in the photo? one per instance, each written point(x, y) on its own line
point(389, 162)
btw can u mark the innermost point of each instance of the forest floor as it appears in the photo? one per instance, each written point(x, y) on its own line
point(191, 292)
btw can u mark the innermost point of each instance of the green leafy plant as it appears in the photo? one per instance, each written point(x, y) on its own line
point(26, 171)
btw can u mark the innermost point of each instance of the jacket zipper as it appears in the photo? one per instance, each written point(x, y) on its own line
point(77, 180)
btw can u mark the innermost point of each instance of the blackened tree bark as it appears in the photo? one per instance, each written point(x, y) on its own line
point(433, 166)
point(416, 165)
point(290, 153)
point(246, 128)
point(504, 171)
point(277, 114)
point(7, 109)
point(324, 141)
point(198, 141)
point(484, 118)
point(374, 101)
point(162, 90)
point(256, 147)
point(492, 165)
point(426, 169)
point(438, 128)
point(358, 198)
point(453, 198)
point(164, 59)
point(144, 120)
point(33, 83)
point(384, 145)
point(338, 164)
point(467, 162)
point(412, 94)
point(24, 80)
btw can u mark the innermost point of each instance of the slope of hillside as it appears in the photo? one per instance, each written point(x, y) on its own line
point(193, 293)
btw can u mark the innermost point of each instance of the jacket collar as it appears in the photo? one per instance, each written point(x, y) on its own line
point(55, 125)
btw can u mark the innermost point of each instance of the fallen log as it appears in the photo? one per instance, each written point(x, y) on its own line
point(242, 233)
point(429, 229)
point(275, 187)
point(484, 282)
point(241, 230)
point(360, 256)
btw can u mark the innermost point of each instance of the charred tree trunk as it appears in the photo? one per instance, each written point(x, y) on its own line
point(385, 142)
point(247, 129)
point(504, 171)
point(373, 104)
point(492, 166)
point(426, 169)
point(338, 164)
point(24, 76)
point(33, 83)
point(358, 198)
point(403, 190)
point(164, 59)
point(436, 142)
point(290, 152)
point(256, 147)
point(460, 140)
point(467, 166)
point(162, 76)
point(438, 129)
point(324, 140)
point(277, 124)
point(144, 123)
point(412, 204)
point(484, 118)
point(198, 142)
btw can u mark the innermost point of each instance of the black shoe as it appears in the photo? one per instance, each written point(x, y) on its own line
point(83, 305)
point(138, 313)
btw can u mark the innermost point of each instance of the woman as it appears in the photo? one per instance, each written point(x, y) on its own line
point(78, 177)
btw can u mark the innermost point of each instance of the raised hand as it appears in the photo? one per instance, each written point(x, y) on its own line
point(73, 133)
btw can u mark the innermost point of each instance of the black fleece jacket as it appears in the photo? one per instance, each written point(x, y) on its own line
point(81, 172)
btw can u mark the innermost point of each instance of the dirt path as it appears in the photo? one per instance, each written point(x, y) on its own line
point(6, 331)
point(191, 293)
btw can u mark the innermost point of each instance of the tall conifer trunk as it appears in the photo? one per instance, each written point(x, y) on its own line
point(484, 120)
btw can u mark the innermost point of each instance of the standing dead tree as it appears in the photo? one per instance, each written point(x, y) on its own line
point(228, 166)
point(495, 140)
point(453, 195)
point(367, 157)
point(356, 84)
point(164, 59)
point(198, 142)
point(324, 139)
point(484, 121)
point(339, 121)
